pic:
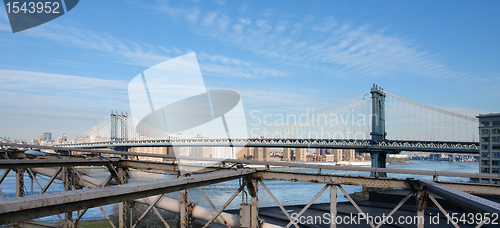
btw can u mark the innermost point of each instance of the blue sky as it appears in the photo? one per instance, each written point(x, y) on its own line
point(281, 56)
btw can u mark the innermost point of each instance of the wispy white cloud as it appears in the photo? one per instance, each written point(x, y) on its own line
point(147, 55)
point(4, 16)
point(218, 65)
point(4, 27)
point(34, 82)
point(122, 50)
point(190, 14)
point(220, 70)
point(4, 22)
point(47, 113)
point(326, 44)
point(245, 21)
point(220, 2)
point(24, 88)
point(53, 100)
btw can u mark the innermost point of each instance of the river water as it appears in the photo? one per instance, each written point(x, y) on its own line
point(288, 193)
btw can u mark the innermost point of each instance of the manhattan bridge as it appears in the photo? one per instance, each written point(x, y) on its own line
point(375, 121)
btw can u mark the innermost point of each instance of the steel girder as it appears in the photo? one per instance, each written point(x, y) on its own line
point(30, 207)
point(396, 145)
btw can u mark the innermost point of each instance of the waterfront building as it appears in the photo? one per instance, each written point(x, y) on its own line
point(286, 154)
point(149, 150)
point(300, 154)
point(227, 152)
point(489, 143)
point(337, 154)
point(349, 155)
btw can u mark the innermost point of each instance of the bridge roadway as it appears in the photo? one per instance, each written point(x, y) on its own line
point(390, 146)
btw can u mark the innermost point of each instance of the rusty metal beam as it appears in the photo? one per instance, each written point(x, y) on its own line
point(443, 210)
point(35, 224)
point(6, 172)
point(151, 206)
point(380, 182)
point(403, 201)
point(31, 163)
point(355, 205)
point(466, 200)
point(22, 209)
point(309, 204)
point(166, 166)
point(213, 206)
point(224, 206)
point(333, 179)
point(319, 166)
point(269, 163)
point(278, 203)
point(51, 180)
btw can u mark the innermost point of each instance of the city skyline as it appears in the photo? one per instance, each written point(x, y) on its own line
point(67, 74)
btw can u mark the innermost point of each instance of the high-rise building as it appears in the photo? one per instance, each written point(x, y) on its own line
point(203, 152)
point(267, 153)
point(489, 143)
point(241, 153)
point(323, 151)
point(64, 137)
point(286, 154)
point(300, 154)
point(38, 140)
point(337, 153)
point(349, 155)
point(150, 150)
point(249, 153)
point(47, 136)
point(95, 137)
point(258, 153)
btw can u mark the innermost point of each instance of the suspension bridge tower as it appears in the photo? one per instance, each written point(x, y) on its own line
point(378, 133)
point(119, 126)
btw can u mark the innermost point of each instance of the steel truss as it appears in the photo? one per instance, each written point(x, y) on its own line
point(395, 145)
point(83, 192)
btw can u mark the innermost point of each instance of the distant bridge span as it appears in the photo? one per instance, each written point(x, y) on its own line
point(412, 126)
point(392, 146)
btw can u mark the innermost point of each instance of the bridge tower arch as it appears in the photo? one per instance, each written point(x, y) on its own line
point(378, 133)
point(119, 126)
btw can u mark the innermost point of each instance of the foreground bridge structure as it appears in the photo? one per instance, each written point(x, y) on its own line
point(121, 187)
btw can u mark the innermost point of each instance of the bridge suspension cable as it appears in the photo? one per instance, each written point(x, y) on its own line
point(310, 125)
point(434, 109)
point(407, 119)
point(119, 127)
point(352, 119)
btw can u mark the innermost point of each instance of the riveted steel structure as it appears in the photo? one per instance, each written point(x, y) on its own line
point(412, 126)
point(119, 126)
point(378, 134)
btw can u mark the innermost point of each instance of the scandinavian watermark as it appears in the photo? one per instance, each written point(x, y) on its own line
point(307, 125)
